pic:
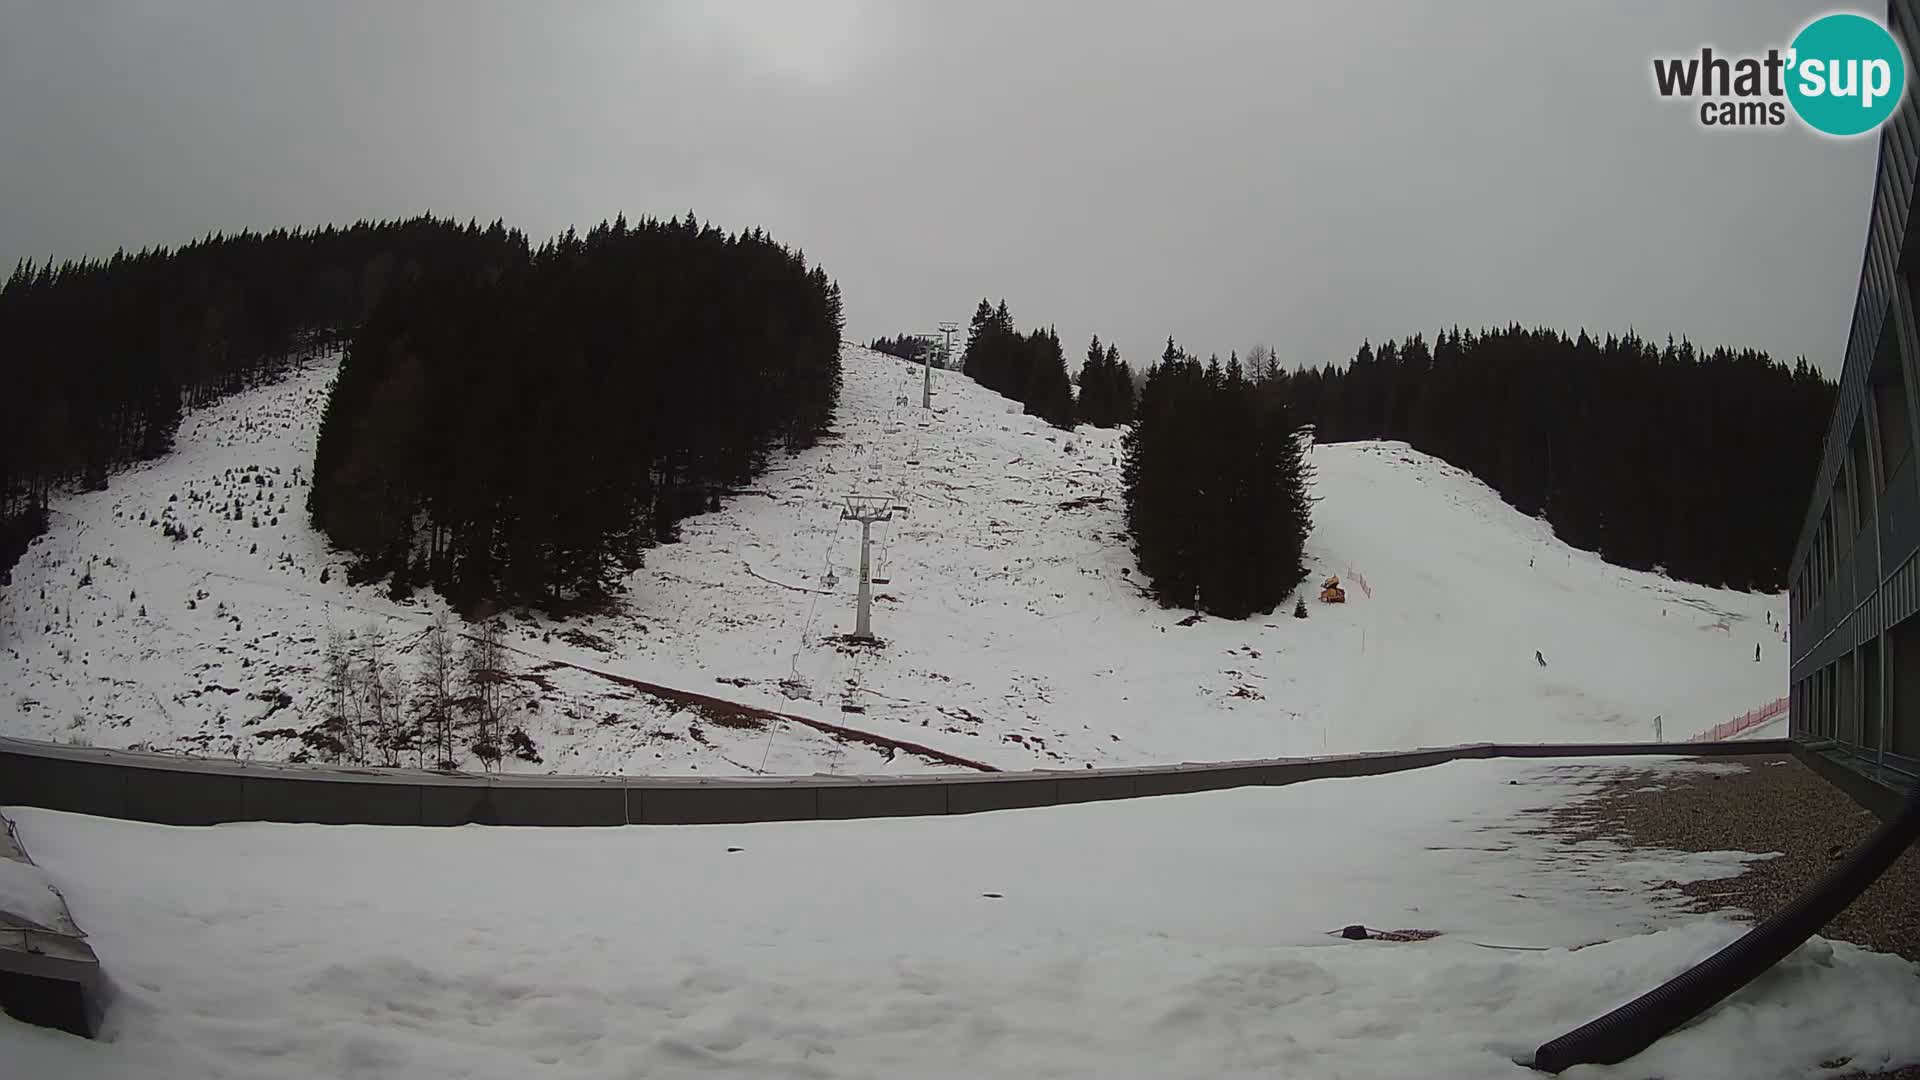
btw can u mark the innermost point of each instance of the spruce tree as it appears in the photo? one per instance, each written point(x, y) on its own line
point(1120, 388)
point(1159, 477)
point(1215, 486)
point(1049, 392)
point(1093, 405)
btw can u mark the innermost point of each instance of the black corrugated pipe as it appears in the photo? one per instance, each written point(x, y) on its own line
point(1633, 1027)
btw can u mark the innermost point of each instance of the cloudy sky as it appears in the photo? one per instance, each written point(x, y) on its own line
point(1228, 173)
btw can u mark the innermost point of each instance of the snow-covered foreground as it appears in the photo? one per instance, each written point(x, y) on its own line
point(1178, 936)
point(1016, 633)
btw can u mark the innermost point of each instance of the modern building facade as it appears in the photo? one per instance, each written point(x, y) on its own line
point(1855, 580)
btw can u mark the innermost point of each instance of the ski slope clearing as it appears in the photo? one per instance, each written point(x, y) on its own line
point(1178, 936)
point(1015, 632)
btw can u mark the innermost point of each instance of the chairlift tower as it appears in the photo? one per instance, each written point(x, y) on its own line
point(926, 376)
point(866, 509)
point(947, 330)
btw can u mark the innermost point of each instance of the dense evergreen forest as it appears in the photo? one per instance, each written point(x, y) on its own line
point(1029, 368)
point(1106, 387)
point(100, 356)
point(912, 347)
point(1216, 488)
point(521, 435)
point(1655, 457)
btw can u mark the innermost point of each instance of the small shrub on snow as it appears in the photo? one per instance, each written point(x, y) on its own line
point(522, 746)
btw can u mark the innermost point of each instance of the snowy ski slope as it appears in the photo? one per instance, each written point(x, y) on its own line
point(1014, 632)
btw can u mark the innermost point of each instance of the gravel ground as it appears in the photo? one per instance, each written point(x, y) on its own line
point(1775, 805)
point(1772, 804)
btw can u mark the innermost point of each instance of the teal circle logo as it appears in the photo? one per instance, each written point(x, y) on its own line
point(1846, 74)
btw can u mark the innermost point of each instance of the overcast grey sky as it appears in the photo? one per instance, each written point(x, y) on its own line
point(1302, 174)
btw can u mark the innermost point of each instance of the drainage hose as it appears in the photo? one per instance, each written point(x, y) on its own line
point(1633, 1027)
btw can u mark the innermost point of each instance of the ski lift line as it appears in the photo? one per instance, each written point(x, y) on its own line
point(767, 749)
point(813, 604)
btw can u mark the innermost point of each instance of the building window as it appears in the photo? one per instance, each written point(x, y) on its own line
point(1817, 569)
point(1843, 510)
point(1903, 697)
point(1829, 551)
point(1843, 726)
point(1889, 386)
point(1864, 483)
point(1820, 704)
point(1828, 707)
point(1870, 720)
point(1822, 547)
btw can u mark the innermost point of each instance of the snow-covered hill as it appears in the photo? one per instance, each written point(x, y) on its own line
point(1014, 632)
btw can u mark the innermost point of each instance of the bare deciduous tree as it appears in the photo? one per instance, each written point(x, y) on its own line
point(434, 688)
point(484, 681)
point(380, 685)
point(1262, 362)
point(341, 721)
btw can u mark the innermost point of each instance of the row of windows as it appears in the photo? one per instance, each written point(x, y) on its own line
point(1867, 702)
point(1868, 468)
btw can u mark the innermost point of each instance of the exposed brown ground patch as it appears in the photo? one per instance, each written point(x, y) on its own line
point(1775, 805)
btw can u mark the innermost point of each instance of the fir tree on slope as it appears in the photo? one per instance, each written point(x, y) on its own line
point(909, 347)
point(1123, 382)
point(1106, 387)
point(1029, 368)
point(1216, 489)
point(1162, 480)
point(1049, 393)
